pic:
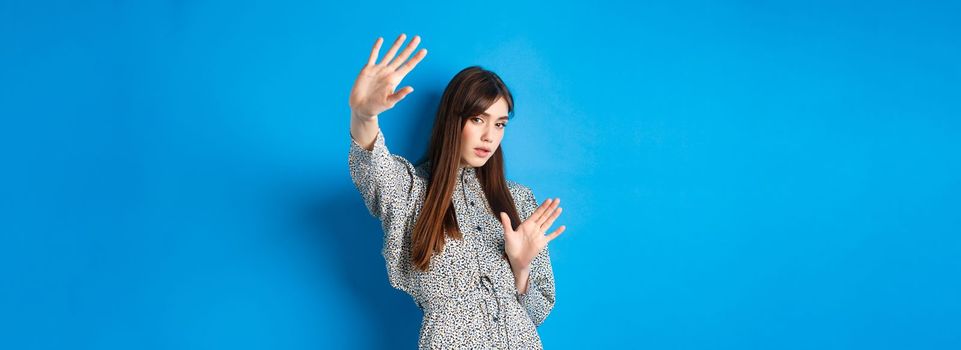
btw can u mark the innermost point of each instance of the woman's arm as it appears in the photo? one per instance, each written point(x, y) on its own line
point(385, 181)
point(528, 255)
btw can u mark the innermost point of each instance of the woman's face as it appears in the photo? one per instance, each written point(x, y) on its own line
point(483, 134)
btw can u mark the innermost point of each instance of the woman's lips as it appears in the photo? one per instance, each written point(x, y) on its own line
point(480, 152)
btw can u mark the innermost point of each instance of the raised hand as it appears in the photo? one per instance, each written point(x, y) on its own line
point(523, 244)
point(373, 91)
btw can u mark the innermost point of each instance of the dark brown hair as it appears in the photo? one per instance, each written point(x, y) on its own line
point(468, 94)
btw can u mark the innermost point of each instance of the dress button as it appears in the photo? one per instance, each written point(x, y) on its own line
point(472, 203)
point(478, 228)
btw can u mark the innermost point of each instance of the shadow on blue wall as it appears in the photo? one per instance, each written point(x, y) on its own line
point(341, 229)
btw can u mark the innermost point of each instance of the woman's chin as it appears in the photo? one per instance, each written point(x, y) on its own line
point(476, 163)
point(473, 161)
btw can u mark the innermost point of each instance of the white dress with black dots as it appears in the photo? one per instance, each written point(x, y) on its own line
point(467, 294)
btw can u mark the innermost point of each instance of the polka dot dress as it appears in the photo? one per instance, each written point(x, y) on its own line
point(467, 295)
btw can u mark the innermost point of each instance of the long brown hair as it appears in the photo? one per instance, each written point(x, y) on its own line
point(468, 94)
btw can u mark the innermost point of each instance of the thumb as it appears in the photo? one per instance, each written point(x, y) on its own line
point(506, 221)
point(400, 94)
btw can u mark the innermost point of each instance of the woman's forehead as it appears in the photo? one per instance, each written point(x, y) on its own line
point(497, 110)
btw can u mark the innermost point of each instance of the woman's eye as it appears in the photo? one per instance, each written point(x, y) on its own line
point(501, 125)
point(477, 120)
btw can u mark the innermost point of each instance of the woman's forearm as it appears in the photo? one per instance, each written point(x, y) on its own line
point(521, 275)
point(363, 129)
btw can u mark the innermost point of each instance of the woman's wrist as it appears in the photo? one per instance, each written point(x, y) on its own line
point(360, 117)
point(363, 129)
point(520, 270)
point(521, 276)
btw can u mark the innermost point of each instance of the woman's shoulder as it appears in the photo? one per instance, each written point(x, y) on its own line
point(524, 199)
point(519, 192)
point(422, 170)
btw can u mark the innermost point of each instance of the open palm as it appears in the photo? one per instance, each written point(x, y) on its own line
point(373, 91)
point(524, 243)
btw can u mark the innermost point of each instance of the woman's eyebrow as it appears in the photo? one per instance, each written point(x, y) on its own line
point(488, 115)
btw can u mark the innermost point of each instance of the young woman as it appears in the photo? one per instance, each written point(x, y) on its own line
point(467, 244)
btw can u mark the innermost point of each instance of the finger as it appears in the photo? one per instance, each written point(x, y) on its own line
point(506, 222)
point(556, 233)
point(536, 215)
point(393, 48)
point(400, 94)
point(550, 220)
point(406, 53)
point(407, 67)
point(376, 50)
point(550, 211)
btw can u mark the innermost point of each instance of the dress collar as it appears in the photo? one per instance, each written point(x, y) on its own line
point(465, 171)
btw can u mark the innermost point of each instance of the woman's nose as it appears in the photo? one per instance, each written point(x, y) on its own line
point(488, 131)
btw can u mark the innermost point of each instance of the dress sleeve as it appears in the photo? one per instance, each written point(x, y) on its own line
point(538, 300)
point(384, 180)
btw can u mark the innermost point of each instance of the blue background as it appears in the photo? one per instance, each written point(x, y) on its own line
point(735, 174)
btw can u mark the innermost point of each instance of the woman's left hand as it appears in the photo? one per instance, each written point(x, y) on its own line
point(523, 244)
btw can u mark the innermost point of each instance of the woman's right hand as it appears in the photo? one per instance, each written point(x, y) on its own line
point(373, 91)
